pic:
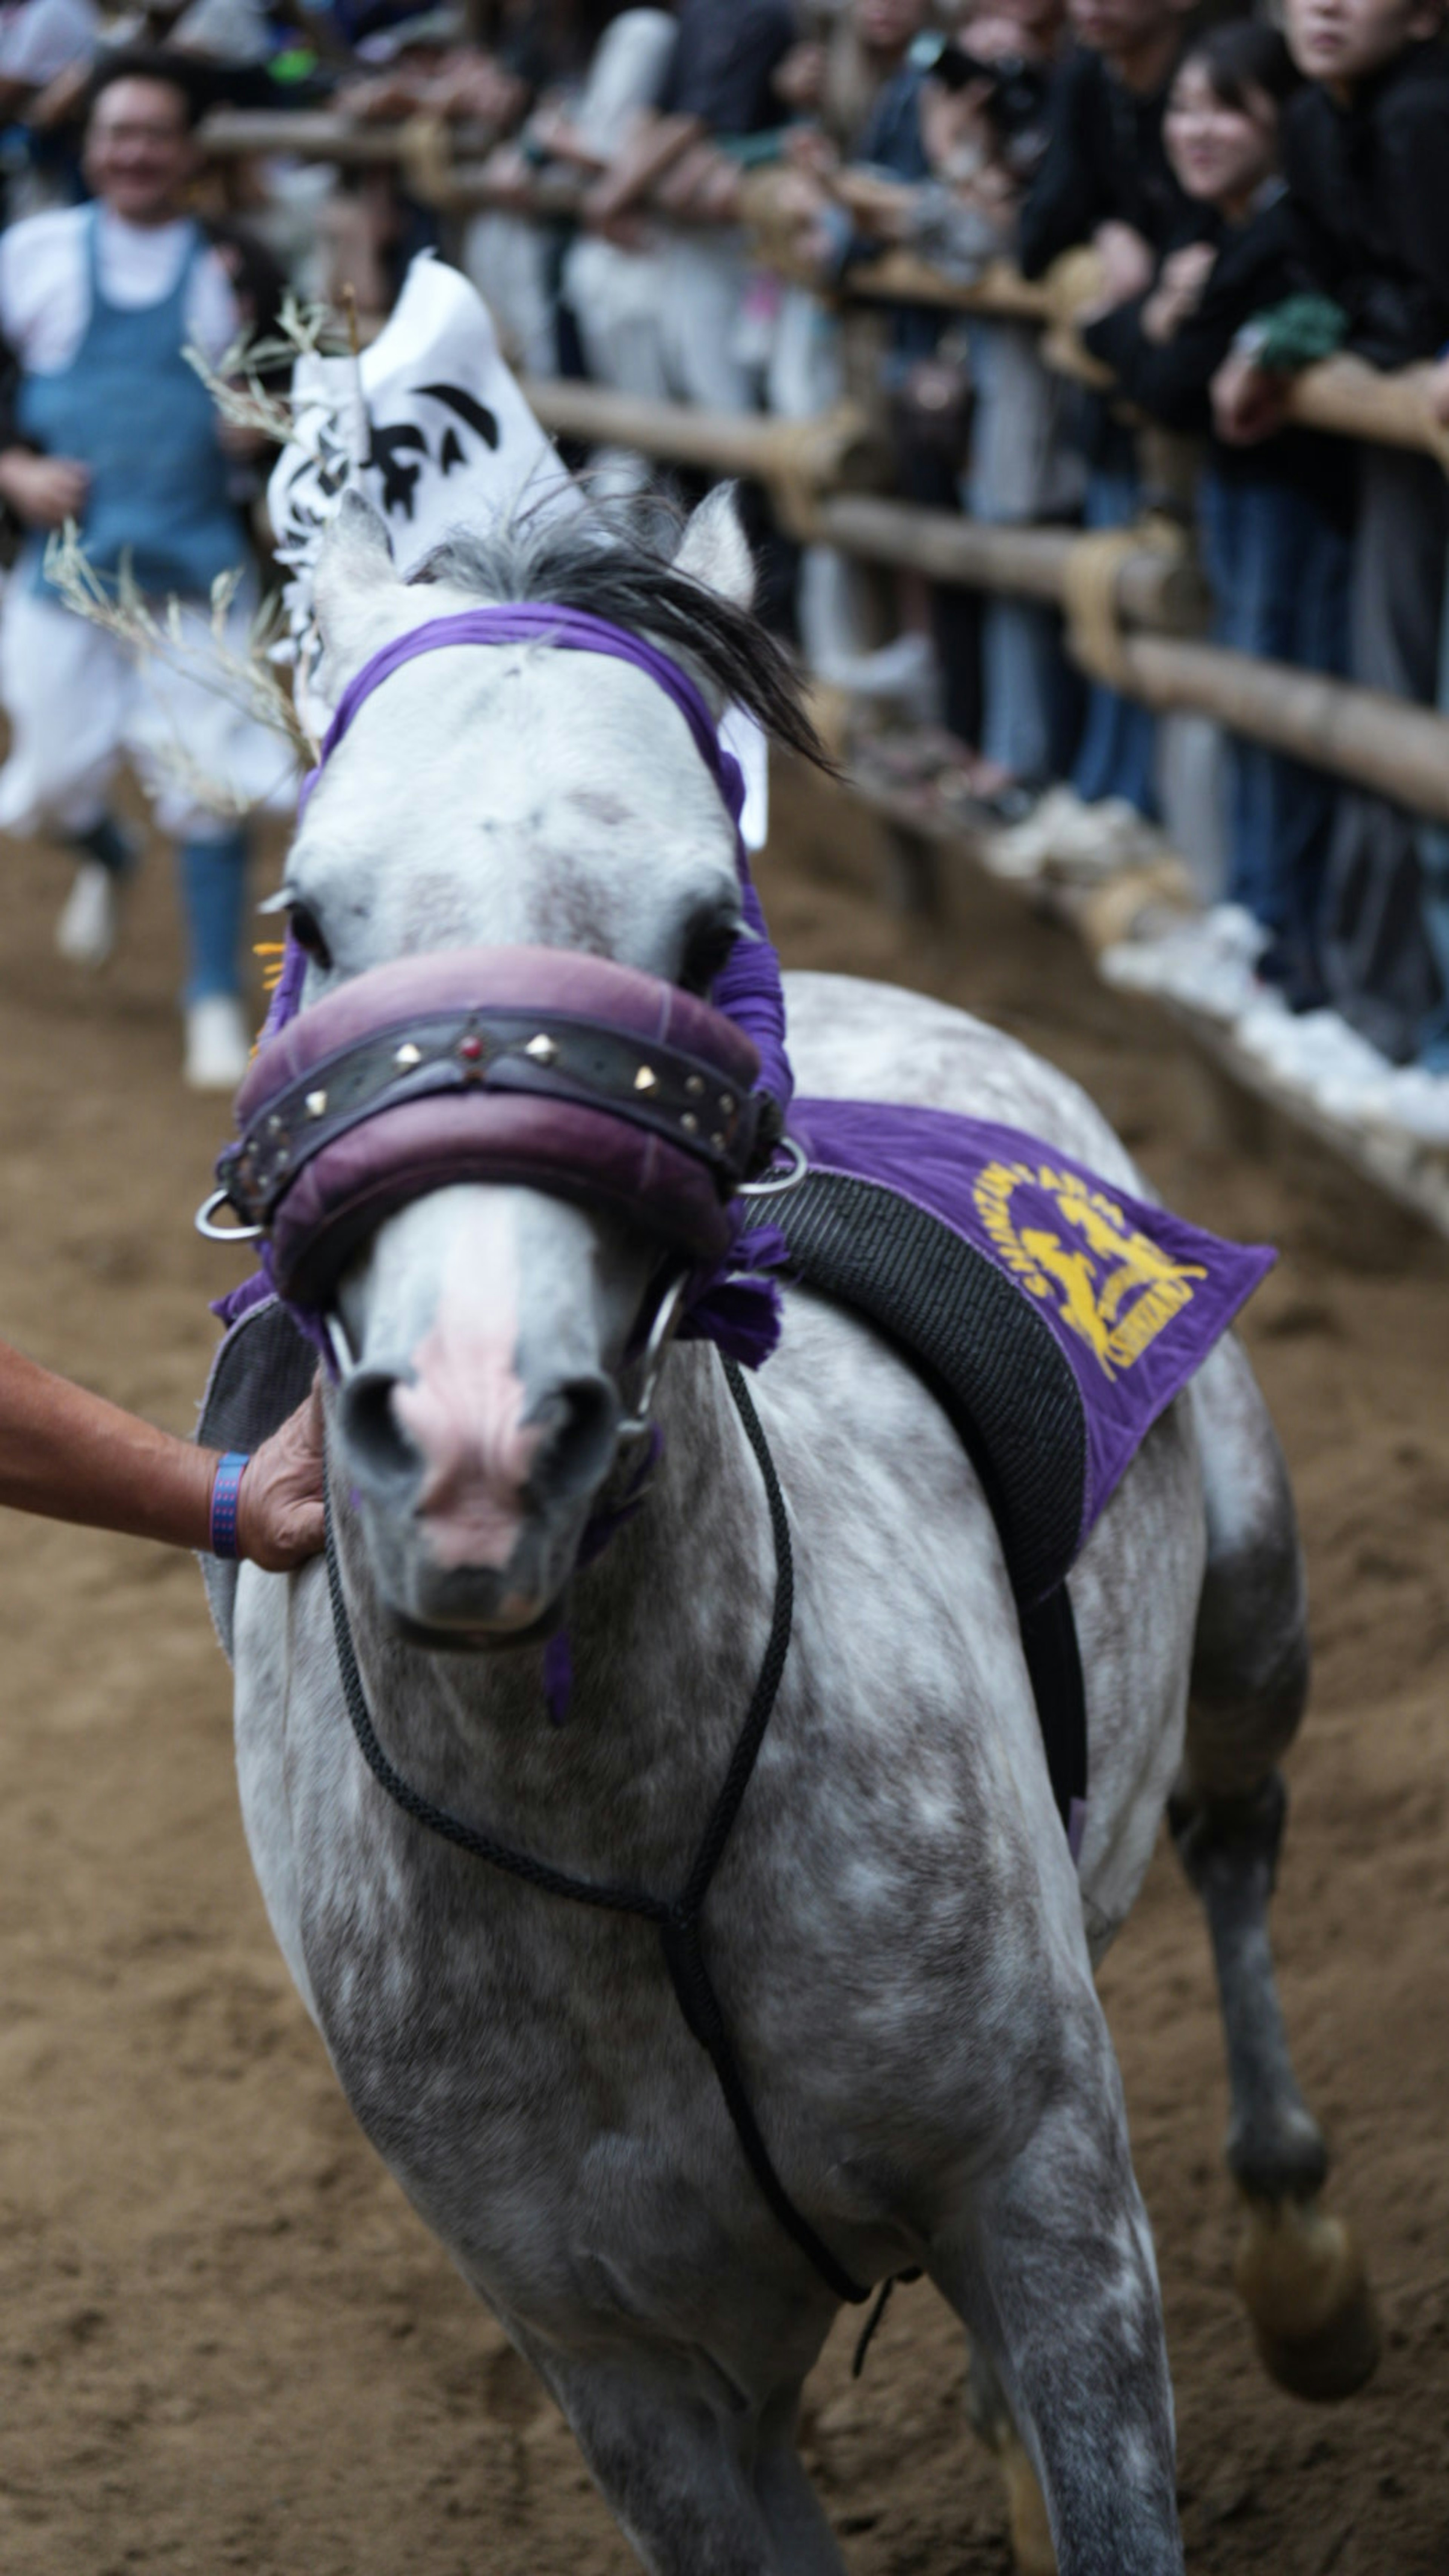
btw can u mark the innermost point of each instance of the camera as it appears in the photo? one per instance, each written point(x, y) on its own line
point(1016, 90)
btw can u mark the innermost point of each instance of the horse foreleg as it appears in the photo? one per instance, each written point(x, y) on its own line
point(1053, 2273)
point(802, 2540)
point(1298, 2271)
point(676, 2470)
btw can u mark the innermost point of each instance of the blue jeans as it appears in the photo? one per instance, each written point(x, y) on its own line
point(1021, 685)
point(213, 883)
point(1434, 878)
point(1279, 569)
point(1117, 755)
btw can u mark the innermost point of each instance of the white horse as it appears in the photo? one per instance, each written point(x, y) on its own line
point(903, 1948)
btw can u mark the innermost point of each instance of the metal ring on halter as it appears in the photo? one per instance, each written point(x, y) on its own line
point(222, 1233)
point(774, 1187)
point(656, 1350)
point(338, 1341)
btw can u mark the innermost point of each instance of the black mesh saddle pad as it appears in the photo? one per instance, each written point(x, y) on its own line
point(1007, 1388)
point(992, 1362)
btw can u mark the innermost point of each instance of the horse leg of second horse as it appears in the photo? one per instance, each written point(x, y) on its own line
point(1299, 2271)
point(991, 2419)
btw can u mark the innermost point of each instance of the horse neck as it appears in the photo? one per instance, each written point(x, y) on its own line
point(666, 1628)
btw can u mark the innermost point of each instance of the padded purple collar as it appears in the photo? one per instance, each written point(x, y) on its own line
point(524, 621)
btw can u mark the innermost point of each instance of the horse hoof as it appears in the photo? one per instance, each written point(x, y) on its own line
point(1031, 2538)
point(1301, 2278)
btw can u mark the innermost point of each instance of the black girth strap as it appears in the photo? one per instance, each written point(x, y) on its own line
point(679, 1922)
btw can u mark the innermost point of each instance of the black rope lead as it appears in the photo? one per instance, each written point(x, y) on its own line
point(679, 1923)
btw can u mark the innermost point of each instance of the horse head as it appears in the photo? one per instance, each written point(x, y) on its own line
point(517, 798)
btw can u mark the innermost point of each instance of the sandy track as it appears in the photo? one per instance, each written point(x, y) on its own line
point(226, 2341)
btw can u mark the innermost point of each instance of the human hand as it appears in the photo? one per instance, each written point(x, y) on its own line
point(808, 147)
point(799, 81)
point(44, 491)
point(511, 178)
point(1436, 390)
point(380, 96)
point(955, 129)
point(1178, 291)
point(1249, 402)
point(996, 39)
point(279, 1508)
point(692, 184)
point(1127, 263)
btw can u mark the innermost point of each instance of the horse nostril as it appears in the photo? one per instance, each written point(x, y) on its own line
point(577, 1423)
point(377, 1447)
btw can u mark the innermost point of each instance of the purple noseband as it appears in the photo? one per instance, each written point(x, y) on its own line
point(531, 1065)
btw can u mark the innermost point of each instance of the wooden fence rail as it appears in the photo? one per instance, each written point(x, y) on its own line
point(1154, 597)
point(447, 167)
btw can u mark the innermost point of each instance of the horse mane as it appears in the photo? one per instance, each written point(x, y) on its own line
point(610, 559)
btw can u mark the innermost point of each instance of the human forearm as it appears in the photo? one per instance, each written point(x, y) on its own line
point(69, 1455)
point(654, 148)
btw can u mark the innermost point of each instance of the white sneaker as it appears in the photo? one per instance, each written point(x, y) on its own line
point(902, 673)
point(218, 1048)
point(1205, 962)
point(86, 930)
point(1062, 837)
point(1023, 849)
point(1411, 1101)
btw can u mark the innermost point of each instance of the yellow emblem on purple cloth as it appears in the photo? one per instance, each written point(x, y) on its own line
point(1076, 1248)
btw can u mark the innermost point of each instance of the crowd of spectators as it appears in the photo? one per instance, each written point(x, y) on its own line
point(1239, 198)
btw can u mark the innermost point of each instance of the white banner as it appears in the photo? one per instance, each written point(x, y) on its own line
point(431, 425)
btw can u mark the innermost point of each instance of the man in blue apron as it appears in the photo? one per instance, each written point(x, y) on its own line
point(113, 428)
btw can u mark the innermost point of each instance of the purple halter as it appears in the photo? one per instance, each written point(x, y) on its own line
point(327, 1173)
point(748, 988)
point(565, 630)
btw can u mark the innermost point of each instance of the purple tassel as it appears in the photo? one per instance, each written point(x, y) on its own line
point(748, 991)
point(286, 998)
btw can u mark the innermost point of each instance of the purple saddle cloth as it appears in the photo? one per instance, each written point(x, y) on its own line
point(1054, 1315)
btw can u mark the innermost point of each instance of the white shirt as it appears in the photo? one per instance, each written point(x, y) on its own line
point(230, 31)
point(45, 297)
point(40, 38)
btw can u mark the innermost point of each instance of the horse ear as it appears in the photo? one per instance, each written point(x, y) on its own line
point(355, 589)
point(715, 551)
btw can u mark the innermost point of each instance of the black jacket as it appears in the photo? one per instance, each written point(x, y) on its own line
point(1171, 380)
point(1369, 186)
point(1104, 163)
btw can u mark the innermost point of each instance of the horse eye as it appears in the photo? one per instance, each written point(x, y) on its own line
point(706, 951)
point(307, 931)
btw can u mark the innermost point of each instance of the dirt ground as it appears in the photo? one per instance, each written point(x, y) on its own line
point(225, 2341)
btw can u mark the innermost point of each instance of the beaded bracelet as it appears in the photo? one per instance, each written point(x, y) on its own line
point(225, 1494)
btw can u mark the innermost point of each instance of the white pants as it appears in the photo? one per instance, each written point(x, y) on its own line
point(705, 275)
point(510, 261)
point(80, 703)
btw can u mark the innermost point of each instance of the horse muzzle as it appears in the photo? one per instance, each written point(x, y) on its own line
point(473, 1510)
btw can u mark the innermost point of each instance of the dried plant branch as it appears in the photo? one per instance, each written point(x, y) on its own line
point(237, 382)
point(250, 676)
